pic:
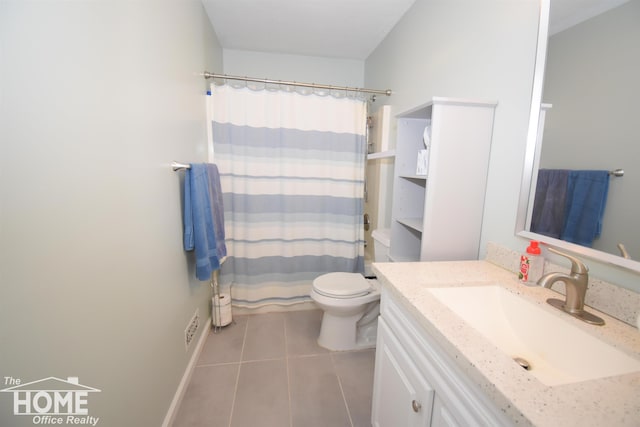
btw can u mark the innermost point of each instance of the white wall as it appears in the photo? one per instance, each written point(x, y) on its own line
point(97, 98)
point(306, 69)
point(469, 49)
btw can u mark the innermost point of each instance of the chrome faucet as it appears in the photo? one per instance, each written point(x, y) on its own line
point(575, 289)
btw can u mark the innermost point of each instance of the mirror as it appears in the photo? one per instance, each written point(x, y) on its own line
point(589, 79)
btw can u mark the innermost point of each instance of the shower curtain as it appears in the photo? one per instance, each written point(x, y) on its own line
point(292, 174)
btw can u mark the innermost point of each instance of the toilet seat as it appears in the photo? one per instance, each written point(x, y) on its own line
point(342, 285)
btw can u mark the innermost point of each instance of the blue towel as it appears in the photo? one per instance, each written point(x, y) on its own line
point(199, 229)
point(548, 215)
point(586, 199)
point(217, 210)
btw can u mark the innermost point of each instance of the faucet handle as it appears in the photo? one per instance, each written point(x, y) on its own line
point(577, 266)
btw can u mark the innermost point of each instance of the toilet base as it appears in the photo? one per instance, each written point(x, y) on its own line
point(352, 332)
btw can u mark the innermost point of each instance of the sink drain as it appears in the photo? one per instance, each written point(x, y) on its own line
point(522, 362)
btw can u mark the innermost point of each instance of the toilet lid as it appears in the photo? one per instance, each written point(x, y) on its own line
point(342, 285)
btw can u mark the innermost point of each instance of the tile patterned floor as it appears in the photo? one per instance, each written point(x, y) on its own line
point(266, 370)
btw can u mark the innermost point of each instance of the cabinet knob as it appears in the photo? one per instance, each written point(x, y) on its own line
point(416, 406)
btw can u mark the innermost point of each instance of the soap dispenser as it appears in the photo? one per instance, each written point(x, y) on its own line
point(531, 264)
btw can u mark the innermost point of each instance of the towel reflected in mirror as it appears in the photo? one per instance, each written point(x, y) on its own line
point(570, 204)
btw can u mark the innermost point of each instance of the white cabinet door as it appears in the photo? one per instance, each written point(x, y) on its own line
point(442, 416)
point(401, 395)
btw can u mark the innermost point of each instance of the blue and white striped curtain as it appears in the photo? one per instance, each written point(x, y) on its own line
point(292, 174)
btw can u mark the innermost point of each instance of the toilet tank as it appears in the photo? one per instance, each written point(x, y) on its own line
point(381, 242)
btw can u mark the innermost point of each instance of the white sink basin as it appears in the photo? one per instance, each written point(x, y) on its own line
point(556, 351)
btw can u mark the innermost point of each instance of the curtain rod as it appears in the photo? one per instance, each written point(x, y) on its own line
point(208, 75)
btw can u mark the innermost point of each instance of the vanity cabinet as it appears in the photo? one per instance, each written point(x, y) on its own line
point(437, 215)
point(407, 397)
point(442, 416)
point(417, 384)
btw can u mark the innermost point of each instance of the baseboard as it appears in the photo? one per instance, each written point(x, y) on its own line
point(186, 378)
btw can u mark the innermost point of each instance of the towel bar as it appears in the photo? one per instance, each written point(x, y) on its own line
point(177, 166)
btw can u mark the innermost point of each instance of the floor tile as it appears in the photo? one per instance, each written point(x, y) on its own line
point(286, 379)
point(262, 398)
point(265, 337)
point(355, 371)
point(225, 345)
point(316, 399)
point(302, 329)
point(209, 397)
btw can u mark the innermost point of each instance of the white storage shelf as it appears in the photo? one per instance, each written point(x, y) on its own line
point(381, 155)
point(414, 223)
point(414, 177)
point(438, 216)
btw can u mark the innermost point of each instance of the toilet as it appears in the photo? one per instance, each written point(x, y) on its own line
point(351, 304)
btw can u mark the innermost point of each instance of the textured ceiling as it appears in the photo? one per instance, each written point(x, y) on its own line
point(339, 28)
point(328, 28)
point(567, 13)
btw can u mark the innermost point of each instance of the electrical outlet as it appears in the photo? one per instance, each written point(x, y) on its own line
point(190, 331)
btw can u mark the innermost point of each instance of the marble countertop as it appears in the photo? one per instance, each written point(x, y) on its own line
point(612, 401)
